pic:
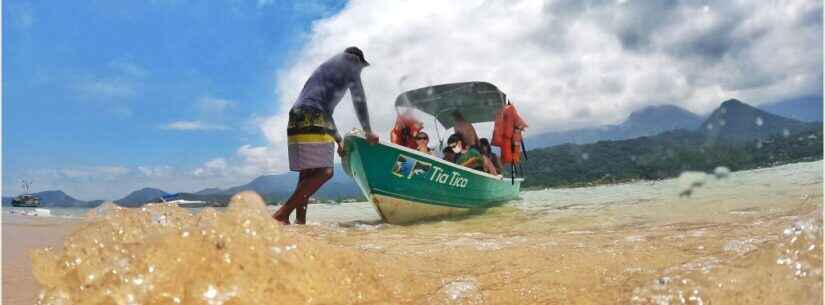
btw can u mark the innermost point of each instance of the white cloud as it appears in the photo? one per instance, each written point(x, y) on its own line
point(248, 162)
point(210, 115)
point(570, 64)
point(566, 64)
point(161, 171)
point(192, 126)
point(214, 167)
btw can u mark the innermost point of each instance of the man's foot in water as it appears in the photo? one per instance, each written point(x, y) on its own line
point(281, 220)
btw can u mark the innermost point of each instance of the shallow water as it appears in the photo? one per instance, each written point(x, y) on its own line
point(754, 237)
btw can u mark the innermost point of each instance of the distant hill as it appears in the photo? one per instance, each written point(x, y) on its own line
point(662, 156)
point(209, 191)
point(737, 121)
point(278, 187)
point(806, 109)
point(648, 121)
point(141, 196)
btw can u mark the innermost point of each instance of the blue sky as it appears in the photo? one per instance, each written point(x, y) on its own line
point(101, 98)
point(95, 84)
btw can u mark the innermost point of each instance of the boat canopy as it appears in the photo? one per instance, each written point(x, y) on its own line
point(476, 101)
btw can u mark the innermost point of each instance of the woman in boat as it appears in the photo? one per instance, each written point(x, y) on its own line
point(487, 151)
point(466, 156)
point(423, 140)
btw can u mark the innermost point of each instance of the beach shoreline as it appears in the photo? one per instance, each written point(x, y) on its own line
point(22, 234)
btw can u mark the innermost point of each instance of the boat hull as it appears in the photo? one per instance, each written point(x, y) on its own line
point(406, 186)
point(25, 201)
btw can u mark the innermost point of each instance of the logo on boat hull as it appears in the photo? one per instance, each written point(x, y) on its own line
point(407, 167)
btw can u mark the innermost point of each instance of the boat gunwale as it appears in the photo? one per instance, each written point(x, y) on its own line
point(447, 163)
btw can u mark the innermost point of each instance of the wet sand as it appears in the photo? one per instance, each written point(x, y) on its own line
point(752, 238)
point(22, 234)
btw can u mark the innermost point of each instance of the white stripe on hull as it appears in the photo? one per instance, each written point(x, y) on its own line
point(401, 211)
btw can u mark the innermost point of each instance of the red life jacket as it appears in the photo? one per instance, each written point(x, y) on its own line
point(507, 134)
point(404, 132)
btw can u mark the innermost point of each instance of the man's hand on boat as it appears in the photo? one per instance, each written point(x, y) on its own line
point(341, 151)
point(371, 137)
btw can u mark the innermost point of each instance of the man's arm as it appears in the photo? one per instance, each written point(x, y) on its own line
point(359, 102)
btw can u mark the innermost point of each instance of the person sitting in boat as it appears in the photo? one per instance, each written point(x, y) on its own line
point(405, 129)
point(487, 150)
point(423, 140)
point(466, 155)
point(449, 155)
point(465, 129)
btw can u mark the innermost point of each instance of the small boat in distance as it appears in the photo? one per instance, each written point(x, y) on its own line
point(26, 200)
point(175, 199)
point(406, 186)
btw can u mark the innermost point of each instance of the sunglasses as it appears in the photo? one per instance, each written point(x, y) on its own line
point(422, 138)
point(451, 145)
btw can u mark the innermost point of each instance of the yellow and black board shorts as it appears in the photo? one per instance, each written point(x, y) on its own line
point(311, 138)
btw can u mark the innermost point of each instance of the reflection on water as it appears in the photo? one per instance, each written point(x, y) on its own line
point(749, 238)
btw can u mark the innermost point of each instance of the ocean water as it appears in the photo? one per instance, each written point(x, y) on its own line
point(752, 237)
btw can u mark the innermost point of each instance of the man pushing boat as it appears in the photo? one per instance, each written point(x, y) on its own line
point(312, 135)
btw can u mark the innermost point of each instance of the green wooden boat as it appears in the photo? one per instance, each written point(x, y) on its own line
point(406, 185)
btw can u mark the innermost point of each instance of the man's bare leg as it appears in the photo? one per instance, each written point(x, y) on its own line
point(309, 181)
point(301, 210)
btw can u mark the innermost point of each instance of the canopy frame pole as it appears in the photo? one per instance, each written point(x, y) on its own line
point(440, 141)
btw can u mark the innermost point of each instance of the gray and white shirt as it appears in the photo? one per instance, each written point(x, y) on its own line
point(329, 83)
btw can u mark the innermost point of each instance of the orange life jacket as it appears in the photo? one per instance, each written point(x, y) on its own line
point(507, 134)
point(404, 131)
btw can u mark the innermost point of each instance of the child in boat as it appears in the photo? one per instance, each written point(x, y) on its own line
point(423, 140)
point(449, 155)
point(492, 158)
point(469, 156)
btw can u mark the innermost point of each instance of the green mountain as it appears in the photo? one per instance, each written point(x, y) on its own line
point(737, 121)
point(141, 196)
point(648, 121)
point(736, 136)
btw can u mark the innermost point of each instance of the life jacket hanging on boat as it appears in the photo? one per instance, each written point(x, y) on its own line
point(507, 134)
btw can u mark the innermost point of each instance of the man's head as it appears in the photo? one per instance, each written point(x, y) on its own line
point(358, 53)
point(455, 143)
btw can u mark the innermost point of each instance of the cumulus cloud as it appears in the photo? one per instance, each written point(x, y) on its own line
point(160, 171)
point(565, 64)
point(210, 116)
point(214, 167)
point(248, 162)
point(192, 126)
